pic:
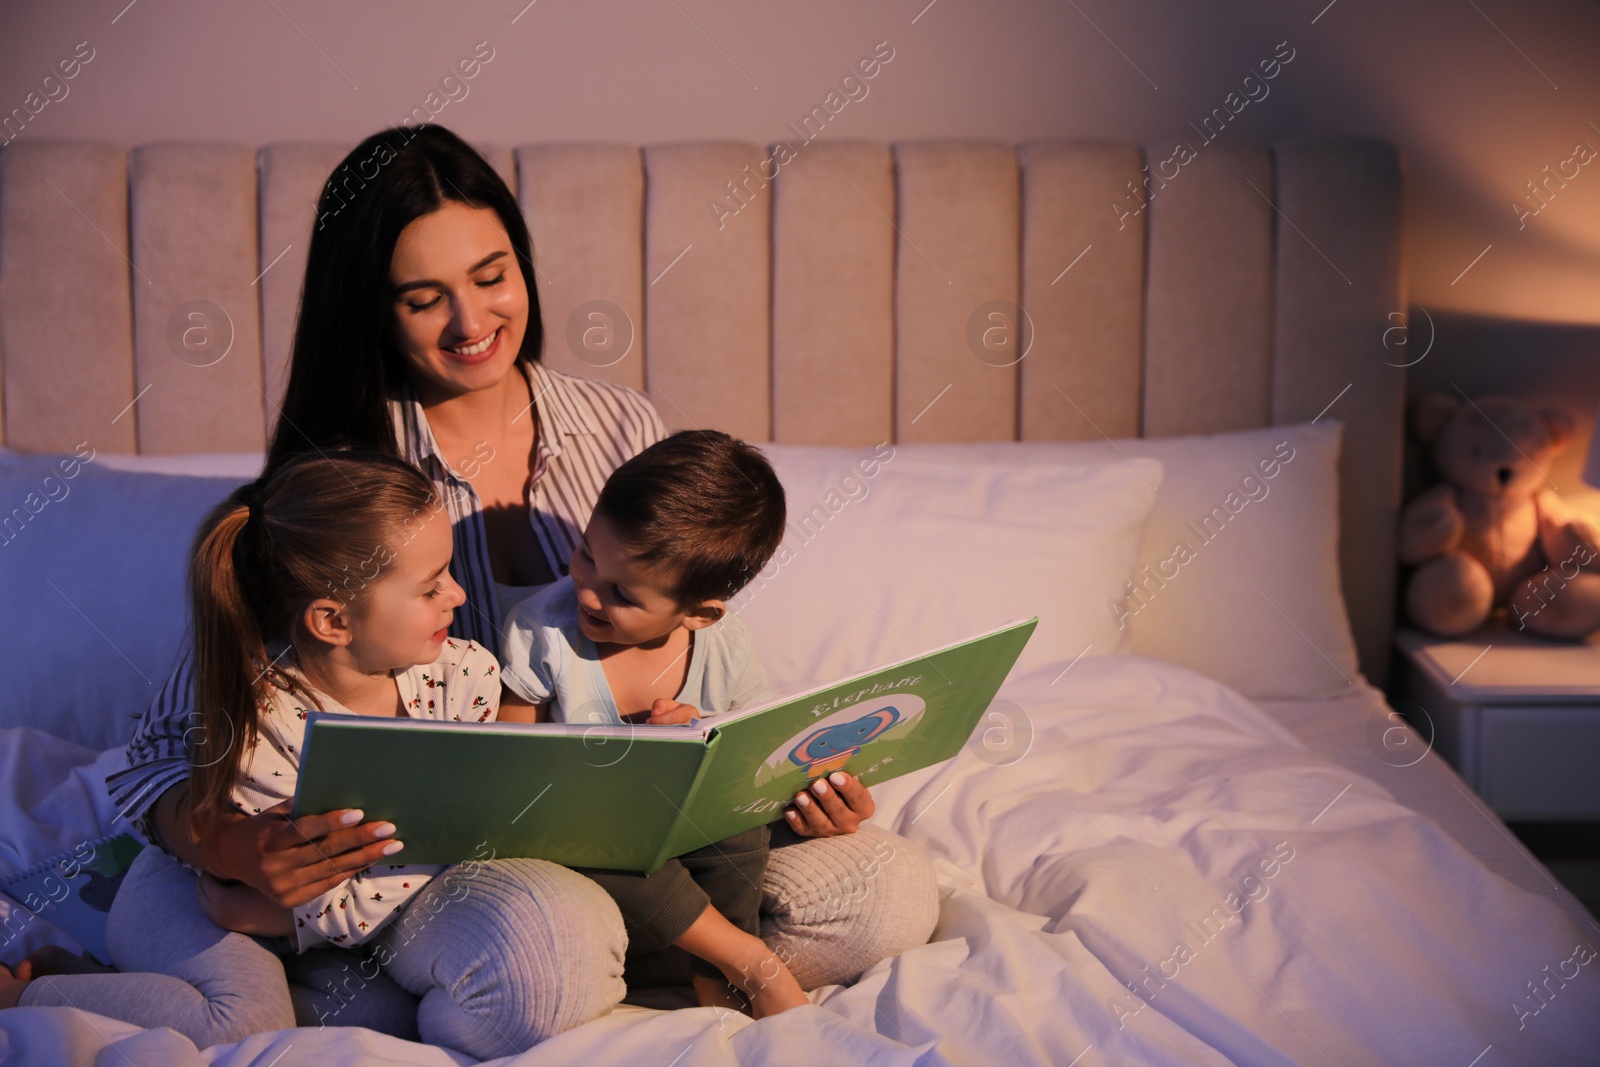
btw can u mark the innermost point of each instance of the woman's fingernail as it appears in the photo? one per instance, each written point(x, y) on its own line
point(821, 787)
point(350, 818)
point(803, 800)
point(384, 830)
point(392, 847)
point(837, 779)
point(792, 814)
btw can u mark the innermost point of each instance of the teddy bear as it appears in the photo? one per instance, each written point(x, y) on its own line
point(1494, 533)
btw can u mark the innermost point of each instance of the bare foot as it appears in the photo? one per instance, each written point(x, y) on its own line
point(53, 959)
point(717, 993)
point(12, 983)
point(770, 987)
point(745, 960)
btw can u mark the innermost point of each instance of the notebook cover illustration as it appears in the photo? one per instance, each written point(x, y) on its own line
point(73, 891)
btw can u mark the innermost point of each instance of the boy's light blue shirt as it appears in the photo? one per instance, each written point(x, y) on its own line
point(545, 657)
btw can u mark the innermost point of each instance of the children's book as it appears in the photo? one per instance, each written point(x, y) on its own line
point(628, 797)
point(73, 891)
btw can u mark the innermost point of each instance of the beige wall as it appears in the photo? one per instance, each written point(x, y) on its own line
point(1481, 96)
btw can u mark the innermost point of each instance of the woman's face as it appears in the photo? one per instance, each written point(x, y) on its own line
point(460, 305)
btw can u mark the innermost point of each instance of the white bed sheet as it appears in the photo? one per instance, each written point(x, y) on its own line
point(1147, 795)
point(1362, 732)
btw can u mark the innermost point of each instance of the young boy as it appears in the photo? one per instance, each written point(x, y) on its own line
point(640, 631)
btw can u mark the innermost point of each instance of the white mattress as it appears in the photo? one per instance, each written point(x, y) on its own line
point(1148, 799)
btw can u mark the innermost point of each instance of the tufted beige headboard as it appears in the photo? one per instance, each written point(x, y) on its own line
point(841, 301)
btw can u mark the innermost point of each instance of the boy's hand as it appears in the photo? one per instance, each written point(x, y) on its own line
point(241, 908)
point(824, 811)
point(668, 712)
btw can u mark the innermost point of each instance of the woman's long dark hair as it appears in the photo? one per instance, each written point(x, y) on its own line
point(345, 366)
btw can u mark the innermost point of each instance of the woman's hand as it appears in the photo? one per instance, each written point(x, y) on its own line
point(291, 861)
point(828, 811)
point(242, 909)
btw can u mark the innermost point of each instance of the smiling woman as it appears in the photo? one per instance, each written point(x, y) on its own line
point(419, 337)
point(459, 333)
point(394, 283)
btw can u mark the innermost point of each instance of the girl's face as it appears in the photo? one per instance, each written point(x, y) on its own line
point(460, 305)
point(403, 618)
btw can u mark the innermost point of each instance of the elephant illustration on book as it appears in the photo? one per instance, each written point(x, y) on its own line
point(827, 745)
point(827, 748)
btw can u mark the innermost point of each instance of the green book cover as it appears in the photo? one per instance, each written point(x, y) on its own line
point(73, 891)
point(631, 797)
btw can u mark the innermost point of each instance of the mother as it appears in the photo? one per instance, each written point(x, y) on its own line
point(419, 334)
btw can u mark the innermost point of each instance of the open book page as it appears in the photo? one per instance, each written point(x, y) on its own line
point(879, 725)
point(629, 797)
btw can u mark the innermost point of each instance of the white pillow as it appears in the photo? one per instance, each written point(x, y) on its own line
point(242, 465)
point(890, 557)
point(1287, 637)
point(92, 562)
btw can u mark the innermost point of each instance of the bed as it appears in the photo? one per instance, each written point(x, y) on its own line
point(1164, 413)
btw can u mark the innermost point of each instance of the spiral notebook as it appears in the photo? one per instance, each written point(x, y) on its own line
point(73, 891)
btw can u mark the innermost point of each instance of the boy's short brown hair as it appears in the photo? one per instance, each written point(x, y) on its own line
point(703, 509)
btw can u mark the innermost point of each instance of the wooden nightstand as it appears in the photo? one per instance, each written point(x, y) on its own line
point(1517, 716)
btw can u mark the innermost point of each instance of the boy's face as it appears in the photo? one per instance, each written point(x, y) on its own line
point(621, 601)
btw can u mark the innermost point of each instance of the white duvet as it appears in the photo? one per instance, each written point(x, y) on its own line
point(1141, 867)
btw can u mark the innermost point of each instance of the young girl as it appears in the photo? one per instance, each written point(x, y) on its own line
point(326, 587)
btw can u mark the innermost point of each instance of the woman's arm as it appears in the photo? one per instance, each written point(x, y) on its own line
point(348, 914)
point(243, 909)
point(157, 753)
point(290, 861)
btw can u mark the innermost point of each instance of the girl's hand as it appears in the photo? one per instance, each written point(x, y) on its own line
point(827, 810)
point(292, 861)
point(241, 908)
